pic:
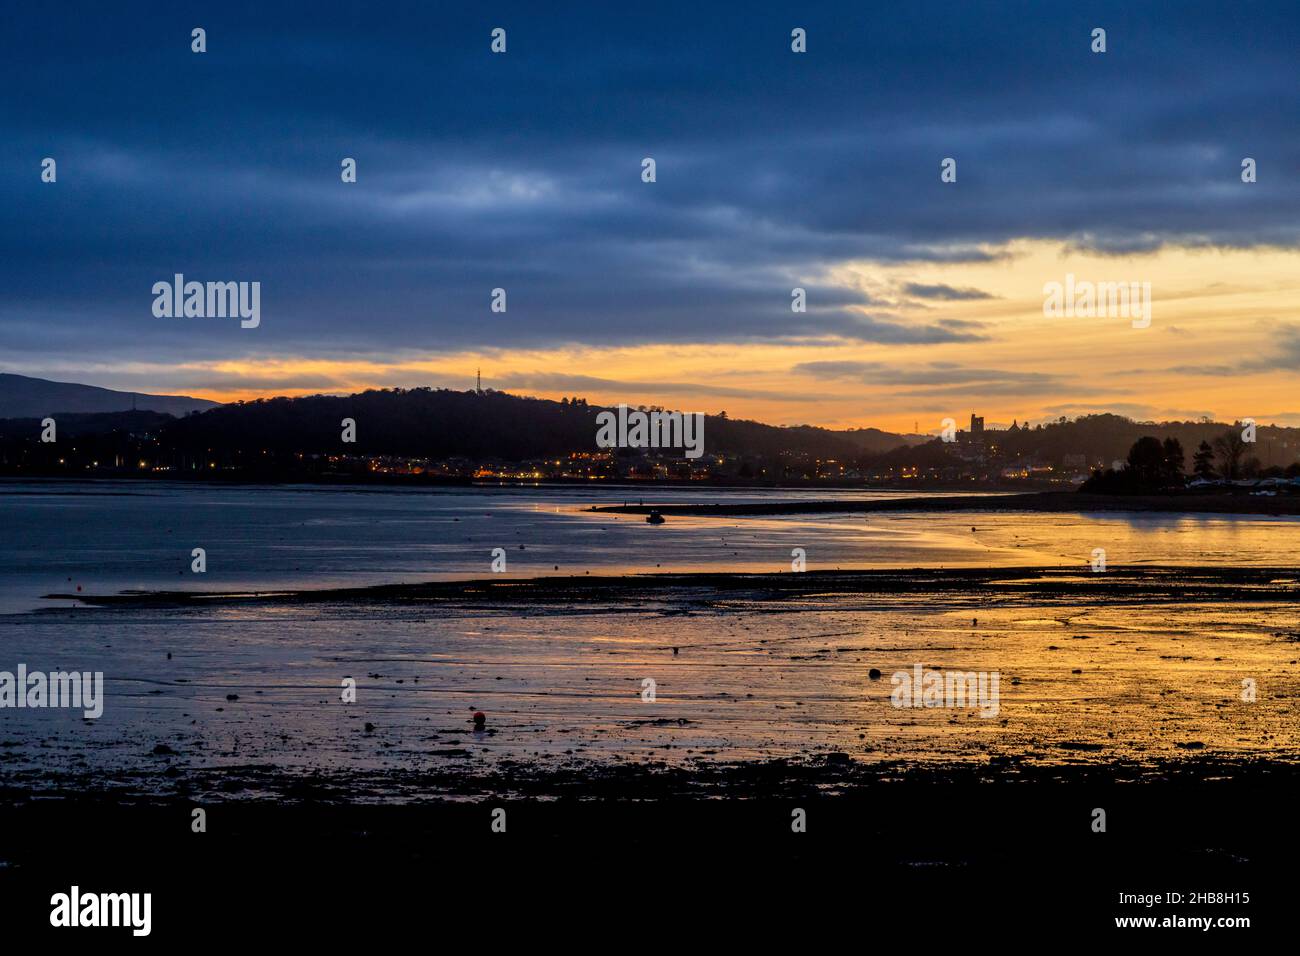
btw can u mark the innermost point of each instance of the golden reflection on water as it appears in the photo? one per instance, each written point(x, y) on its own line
point(880, 540)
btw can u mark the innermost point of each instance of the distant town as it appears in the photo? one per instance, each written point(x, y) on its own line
point(444, 436)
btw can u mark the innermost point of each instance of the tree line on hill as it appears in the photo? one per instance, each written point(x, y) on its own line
point(276, 435)
point(436, 424)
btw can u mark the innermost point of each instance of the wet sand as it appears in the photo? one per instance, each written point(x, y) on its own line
point(1136, 666)
point(1119, 691)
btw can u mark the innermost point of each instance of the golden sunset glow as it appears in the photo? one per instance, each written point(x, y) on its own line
point(1214, 312)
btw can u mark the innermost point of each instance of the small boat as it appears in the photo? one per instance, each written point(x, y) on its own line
point(654, 517)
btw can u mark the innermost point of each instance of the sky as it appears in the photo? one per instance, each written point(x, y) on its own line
point(774, 170)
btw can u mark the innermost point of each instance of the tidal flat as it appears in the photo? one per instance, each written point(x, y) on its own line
point(1134, 668)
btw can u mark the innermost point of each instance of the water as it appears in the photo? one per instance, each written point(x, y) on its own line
point(104, 537)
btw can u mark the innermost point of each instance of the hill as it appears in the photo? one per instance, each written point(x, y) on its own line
point(442, 433)
point(1099, 439)
point(24, 397)
point(478, 425)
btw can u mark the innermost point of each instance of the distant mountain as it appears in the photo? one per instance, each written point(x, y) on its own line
point(24, 397)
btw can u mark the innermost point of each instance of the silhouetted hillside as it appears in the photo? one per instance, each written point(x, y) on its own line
point(25, 397)
point(1099, 439)
point(442, 424)
point(69, 426)
point(441, 434)
point(875, 440)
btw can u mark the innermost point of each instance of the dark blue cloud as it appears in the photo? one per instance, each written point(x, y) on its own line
point(523, 171)
point(946, 293)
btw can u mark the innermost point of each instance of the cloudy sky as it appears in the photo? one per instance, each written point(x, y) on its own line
point(774, 169)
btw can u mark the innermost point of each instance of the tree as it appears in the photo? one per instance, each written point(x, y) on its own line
point(1146, 462)
point(1230, 448)
point(1203, 461)
point(1173, 462)
point(1152, 466)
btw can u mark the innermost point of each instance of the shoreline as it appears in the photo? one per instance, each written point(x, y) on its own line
point(1047, 501)
point(434, 482)
point(1146, 582)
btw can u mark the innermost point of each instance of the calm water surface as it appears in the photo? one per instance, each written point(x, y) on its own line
point(110, 536)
